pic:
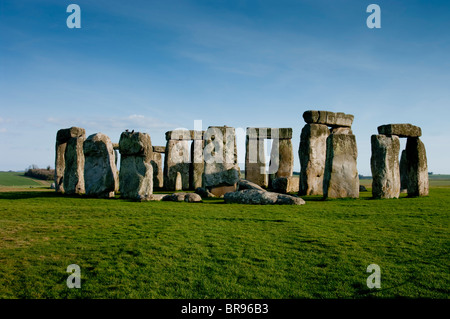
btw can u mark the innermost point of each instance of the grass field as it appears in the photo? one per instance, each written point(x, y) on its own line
point(214, 250)
point(10, 181)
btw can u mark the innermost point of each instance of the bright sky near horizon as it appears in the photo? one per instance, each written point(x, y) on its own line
point(154, 66)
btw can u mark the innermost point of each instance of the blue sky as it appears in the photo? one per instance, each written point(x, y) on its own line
point(154, 66)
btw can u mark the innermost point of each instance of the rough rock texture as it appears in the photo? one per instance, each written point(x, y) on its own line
point(178, 182)
point(362, 188)
point(62, 137)
point(176, 160)
point(158, 175)
point(220, 155)
point(285, 184)
point(183, 197)
point(220, 191)
point(204, 193)
point(401, 130)
point(101, 177)
point(269, 133)
point(312, 153)
point(385, 166)
point(341, 175)
point(403, 173)
point(136, 170)
point(192, 198)
point(328, 118)
point(417, 168)
point(281, 158)
point(258, 197)
point(255, 161)
point(74, 166)
point(159, 149)
point(245, 184)
point(197, 166)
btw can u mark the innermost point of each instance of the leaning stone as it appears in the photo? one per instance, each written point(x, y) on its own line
point(417, 167)
point(401, 130)
point(341, 175)
point(245, 184)
point(100, 172)
point(136, 170)
point(385, 167)
point(312, 153)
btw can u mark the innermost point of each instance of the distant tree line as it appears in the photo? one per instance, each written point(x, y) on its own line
point(46, 174)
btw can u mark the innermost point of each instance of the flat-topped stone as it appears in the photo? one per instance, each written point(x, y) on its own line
point(63, 135)
point(269, 133)
point(184, 135)
point(401, 130)
point(159, 149)
point(332, 119)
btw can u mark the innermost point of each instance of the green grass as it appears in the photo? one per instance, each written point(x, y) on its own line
point(17, 179)
point(214, 250)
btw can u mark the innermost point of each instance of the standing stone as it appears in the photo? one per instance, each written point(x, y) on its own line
point(101, 177)
point(74, 166)
point(220, 154)
point(176, 160)
point(255, 159)
point(178, 182)
point(158, 175)
point(136, 170)
point(312, 153)
point(385, 166)
point(341, 174)
point(282, 158)
point(62, 138)
point(417, 167)
point(197, 166)
point(403, 173)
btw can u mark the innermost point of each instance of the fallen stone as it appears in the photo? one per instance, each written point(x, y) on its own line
point(245, 184)
point(285, 185)
point(204, 193)
point(258, 197)
point(192, 198)
point(401, 130)
point(220, 191)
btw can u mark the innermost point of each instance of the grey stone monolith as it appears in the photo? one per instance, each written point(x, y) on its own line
point(403, 173)
point(384, 164)
point(101, 177)
point(312, 153)
point(417, 167)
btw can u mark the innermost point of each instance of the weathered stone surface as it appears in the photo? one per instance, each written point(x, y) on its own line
point(192, 198)
point(403, 173)
point(401, 130)
point(255, 161)
point(115, 146)
point(159, 149)
point(417, 167)
point(269, 133)
point(281, 159)
point(258, 197)
point(245, 184)
point(312, 153)
point(362, 188)
point(186, 135)
point(220, 155)
point(341, 175)
point(74, 166)
point(204, 193)
point(328, 118)
point(385, 166)
point(175, 197)
point(176, 160)
point(136, 170)
point(341, 130)
point(62, 137)
point(197, 166)
point(285, 184)
point(155, 197)
point(101, 177)
point(158, 175)
point(220, 191)
point(178, 182)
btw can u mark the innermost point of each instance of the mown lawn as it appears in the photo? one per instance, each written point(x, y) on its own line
point(214, 250)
